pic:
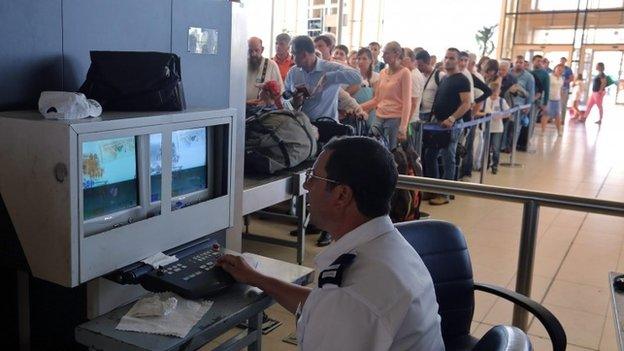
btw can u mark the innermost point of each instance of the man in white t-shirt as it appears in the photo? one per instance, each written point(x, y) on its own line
point(260, 69)
point(431, 78)
point(463, 68)
point(418, 81)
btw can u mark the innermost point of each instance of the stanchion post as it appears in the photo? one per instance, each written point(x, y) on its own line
point(514, 143)
point(485, 155)
point(526, 259)
point(419, 140)
point(533, 116)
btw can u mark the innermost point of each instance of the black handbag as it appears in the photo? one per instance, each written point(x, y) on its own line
point(135, 81)
point(358, 124)
point(329, 128)
point(438, 139)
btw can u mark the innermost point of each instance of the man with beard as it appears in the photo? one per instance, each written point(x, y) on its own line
point(260, 69)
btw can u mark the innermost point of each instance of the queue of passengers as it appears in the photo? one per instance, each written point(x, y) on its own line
point(408, 87)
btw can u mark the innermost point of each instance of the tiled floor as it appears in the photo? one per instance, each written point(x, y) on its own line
point(575, 251)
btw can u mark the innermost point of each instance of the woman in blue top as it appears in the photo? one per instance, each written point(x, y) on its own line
point(370, 78)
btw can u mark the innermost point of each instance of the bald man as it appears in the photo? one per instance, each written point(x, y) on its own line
point(260, 69)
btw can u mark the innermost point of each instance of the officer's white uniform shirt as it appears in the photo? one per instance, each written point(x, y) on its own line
point(386, 301)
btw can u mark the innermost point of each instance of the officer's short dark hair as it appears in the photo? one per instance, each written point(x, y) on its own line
point(302, 43)
point(463, 54)
point(368, 168)
point(423, 55)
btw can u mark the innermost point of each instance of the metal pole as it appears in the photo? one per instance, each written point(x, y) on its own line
point(485, 155)
point(272, 28)
point(301, 226)
point(514, 142)
point(23, 309)
point(526, 259)
point(340, 24)
point(419, 135)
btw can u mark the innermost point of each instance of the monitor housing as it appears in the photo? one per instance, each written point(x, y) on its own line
point(90, 196)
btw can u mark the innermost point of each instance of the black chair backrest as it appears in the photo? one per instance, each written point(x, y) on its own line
point(442, 247)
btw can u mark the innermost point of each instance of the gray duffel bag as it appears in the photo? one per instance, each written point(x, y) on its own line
point(278, 140)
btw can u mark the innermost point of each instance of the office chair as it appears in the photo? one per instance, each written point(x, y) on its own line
point(442, 247)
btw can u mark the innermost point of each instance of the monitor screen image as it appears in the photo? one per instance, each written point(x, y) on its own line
point(109, 176)
point(188, 162)
point(155, 141)
point(188, 158)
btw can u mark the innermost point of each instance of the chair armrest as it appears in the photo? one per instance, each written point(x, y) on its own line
point(549, 321)
point(504, 338)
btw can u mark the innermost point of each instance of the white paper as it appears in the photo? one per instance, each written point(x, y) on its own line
point(178, 322)
point(160, 260)
point(153, 306)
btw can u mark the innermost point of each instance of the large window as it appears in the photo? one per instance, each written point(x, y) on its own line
point(553, 36)
point(562, 5)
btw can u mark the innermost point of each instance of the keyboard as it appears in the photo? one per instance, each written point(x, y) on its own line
point(193, 277)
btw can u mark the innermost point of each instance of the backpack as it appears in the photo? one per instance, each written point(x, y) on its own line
point(278, 140)
point(405, 204)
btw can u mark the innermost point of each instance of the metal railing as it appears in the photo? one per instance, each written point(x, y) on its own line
point(532, 201)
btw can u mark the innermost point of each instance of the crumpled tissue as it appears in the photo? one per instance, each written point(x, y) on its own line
point(159, 260)
point(164, 314)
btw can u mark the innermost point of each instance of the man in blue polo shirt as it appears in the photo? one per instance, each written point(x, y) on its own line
point(315, 83)
point(568, 77)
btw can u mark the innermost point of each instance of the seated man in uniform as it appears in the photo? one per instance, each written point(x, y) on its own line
point(374, 292)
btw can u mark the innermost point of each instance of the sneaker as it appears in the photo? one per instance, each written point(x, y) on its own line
point(439, 200)
point(310, 229)
point(494, 170)
point(428, 196)
point(324, 240)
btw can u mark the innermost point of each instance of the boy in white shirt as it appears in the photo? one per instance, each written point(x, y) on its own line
point(495, 103)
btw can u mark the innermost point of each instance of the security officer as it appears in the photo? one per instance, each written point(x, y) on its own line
point(374, 292)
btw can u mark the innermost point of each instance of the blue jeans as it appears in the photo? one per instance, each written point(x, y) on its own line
point(389, 128)
point(495, 147)
point(467, 162)
point(416, 136)
point(448, 157)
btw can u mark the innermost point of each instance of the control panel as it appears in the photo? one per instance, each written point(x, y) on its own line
point(194, 276)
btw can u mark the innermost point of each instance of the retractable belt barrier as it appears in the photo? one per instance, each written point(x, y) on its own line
point(436, 127)
point(487, 118)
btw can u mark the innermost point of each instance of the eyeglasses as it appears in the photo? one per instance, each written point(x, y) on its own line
point(309, 175)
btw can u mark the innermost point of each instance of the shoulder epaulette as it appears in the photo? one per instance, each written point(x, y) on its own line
point(333, 273)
